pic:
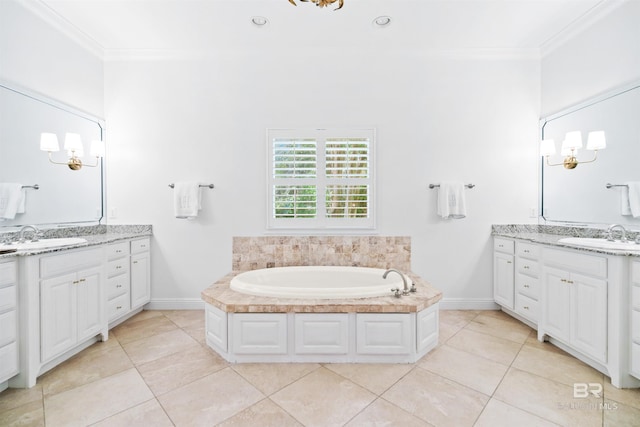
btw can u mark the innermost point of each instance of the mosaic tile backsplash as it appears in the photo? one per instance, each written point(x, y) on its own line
point(251, 253)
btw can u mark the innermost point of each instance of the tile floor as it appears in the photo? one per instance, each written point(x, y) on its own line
point(155, 370)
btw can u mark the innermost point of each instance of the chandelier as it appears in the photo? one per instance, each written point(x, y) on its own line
point(322, 3)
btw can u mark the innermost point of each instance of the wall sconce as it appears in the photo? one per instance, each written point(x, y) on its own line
point(73, 145)
point(570, 146)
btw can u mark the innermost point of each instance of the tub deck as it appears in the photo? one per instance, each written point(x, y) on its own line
point(222, 297)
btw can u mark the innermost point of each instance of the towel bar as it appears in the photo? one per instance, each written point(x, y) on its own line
point(35, 186)
point(201, 185)
point(438, 185)
point(616, 185)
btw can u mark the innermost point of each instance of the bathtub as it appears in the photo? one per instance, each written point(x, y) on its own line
point(316, 282)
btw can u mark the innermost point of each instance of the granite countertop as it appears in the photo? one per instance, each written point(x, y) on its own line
point(221, 296)
point(94, 236)
point(550, 236)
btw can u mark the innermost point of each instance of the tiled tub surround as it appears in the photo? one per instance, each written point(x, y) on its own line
point(313, 330)
point(580, 299)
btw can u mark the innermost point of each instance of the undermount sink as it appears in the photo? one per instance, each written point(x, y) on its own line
point(589, 242)
point(44, 244)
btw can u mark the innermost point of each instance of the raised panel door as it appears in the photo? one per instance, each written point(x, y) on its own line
point(58, 311)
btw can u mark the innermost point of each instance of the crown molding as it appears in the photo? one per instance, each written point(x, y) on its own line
point(593, 15)
point(59, 23)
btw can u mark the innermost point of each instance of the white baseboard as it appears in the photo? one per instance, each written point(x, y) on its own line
point(468, 304)
point(198, 304)
point(175, 304)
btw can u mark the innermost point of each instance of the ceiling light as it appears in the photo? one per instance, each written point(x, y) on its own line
point(322, 3)
point(382, 21)
point(259, 21)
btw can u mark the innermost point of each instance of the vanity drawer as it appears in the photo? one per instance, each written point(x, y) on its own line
point(117, 285)
point(118, 306)
point(635, 272)
point(527, 307)
point(72, 261)
point(528, 286)
point(527, 266)
point(7, 327)
point(635, 359)
point(635, 296)
point(8, 298)
point(117, 250)
point(635, 326)
point(527, 250)
point(140, 245)
point(586, 264)
point(503, 245)
point(7, 273)
point(8, 361)
point(118, 266)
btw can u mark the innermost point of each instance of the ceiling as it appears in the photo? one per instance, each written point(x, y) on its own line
point(206, 25)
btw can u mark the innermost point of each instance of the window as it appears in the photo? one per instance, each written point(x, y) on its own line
point(320, 178)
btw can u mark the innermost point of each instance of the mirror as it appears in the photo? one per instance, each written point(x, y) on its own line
point(581, 194)
point(64, 196)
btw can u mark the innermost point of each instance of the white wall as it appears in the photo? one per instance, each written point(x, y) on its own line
point(603, 57)
point(38, 57)
point(437, 118)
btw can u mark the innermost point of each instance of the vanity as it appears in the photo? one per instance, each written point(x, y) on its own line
point(56, 302)
point(584, 300)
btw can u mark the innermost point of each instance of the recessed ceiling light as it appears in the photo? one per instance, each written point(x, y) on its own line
point(382, 21)
point(259, 21)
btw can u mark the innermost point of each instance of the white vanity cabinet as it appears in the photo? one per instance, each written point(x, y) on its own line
point(635, 320)
point(140, 272)
point(527, 282)
point(503, 272)
point(118, 280)
point(8, 322)
point(71, 302)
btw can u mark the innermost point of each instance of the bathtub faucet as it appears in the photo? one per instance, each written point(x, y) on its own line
point(406, 289)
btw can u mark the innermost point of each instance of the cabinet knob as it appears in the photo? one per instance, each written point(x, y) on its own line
point(526, 251)
point(135, 262)
point(119, 307)
point(508, 262)
point(118, 286)
point(526, 267)
point(75, 282)
point(143, 246)
point(526, 307)
point(526, 286)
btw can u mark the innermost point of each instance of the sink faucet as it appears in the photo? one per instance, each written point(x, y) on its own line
point(406, 289)
point(26, 228)
point(622, 230)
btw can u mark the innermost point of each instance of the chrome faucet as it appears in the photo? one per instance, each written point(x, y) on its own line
point(622, 230)
point(406, 289)
point(24, 229)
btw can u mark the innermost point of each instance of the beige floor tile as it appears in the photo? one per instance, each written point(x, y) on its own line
point(628, 396)
point(457, 318)
point(493, 348)
point(446, 331)
point(499, 414)
point(271, 377)
point(186, 318)
point(152, 348)
point(149, 413)
point(181, 368)
point(506, 328)
point(556, 367)
point(143, 315)
point(548, 399)
point(436, 400)
point(95, 363)
point(384, 414)
point(473, 371)
point(264, 414)
point(210, 400)
point(197, 333)
point(617, 414)
point(14, 397)
point(27, 415)
point(375, 377)
point(130, 331)
point(532, 341)
point(498, 314)
point(323, 398)
point(96, 401)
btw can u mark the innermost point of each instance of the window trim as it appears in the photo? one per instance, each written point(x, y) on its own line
point(321, 222)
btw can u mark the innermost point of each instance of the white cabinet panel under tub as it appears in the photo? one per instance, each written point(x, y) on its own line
point(322, 337)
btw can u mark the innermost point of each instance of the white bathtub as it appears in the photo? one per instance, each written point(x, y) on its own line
point(317, 282)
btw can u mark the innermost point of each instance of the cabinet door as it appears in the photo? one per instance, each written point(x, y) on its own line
point(58, 310)
point(140, 279)
point(503, 279)
point(589, 316)
point(89, 303)
point(556, 304)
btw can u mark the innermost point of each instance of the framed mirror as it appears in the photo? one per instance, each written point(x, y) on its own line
point(593, 193)
point(63, 196)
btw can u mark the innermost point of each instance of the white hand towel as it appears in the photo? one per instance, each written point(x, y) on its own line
point(630, 199)
point(451, 200)
point(186, 199)
point(10, 199)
